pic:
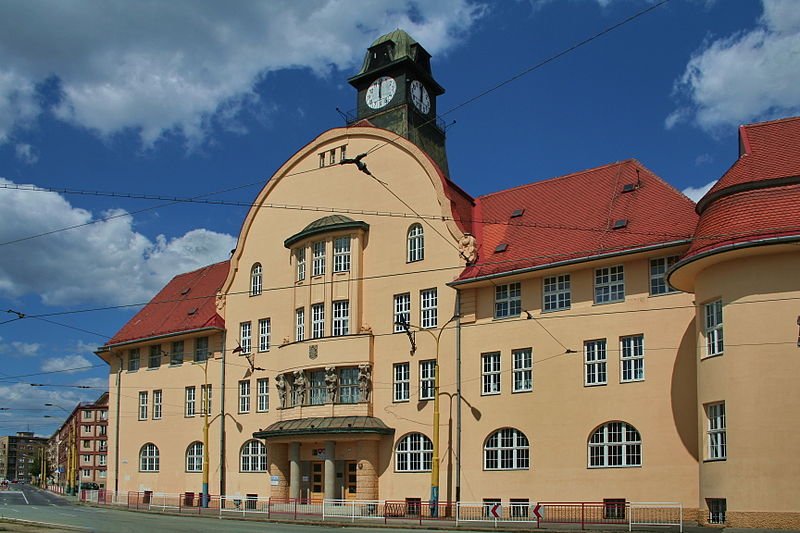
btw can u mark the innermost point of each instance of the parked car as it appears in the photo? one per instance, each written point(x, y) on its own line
point(90, 486)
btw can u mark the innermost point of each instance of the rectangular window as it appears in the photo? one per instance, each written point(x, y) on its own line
point(205, 398)
point(632, 358)
point(523, 369)
point(157, 401)
point(321, 160)
point(263, 395)
point(557, 293)
point(176, 354)
point(341, 254)
point(713, 327)
point(595, 362)
point(319, 392)
point(658, 272)
point(402, 311)
point(133, 360)
point(348, 386)
point(341, 318)
point(102, 460)
point(427, 379)
point(332, 157)
point(614, 508)
point(300, 324)
point(143, 405)
point(342, 153)
point(318, 260)
point(428, 313)
point(609, 284)
point(519, 507)
point(201, 349)
point(716, 510)
point(402, 382)
point(86, 472)
point(246, 336)
point(191, 394)
point(507, 300)
point(264, 332)
point(244, 396)
point(490, 373)
point(104, 429)
point(317, 321)
point(87, 415)
point(717, 439)
point(300, 261)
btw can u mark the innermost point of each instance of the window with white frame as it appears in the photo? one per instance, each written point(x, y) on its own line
point(341, 254)
point(658, 275)
point(143, 405)
point(507, 300)
point(133, 360)
point(300, 264)
point(102, 460)
point(414, 453)
point(87, 415)
point(609, 284)
point(631, 358)
point(246, 336)
point(158, 397)
point(85, 472)
point(402, 311)
point(713, 327)
point(557, 293)
point(507, 449)
point(154, 361)
point(319, 390)
point(176, 354)
point(262, 395)
point(402, 382)
point(190, 398)
point(348, 386)
point(523, 369)
point(717, 438)
point(427, 379)
point(341, 318)
point(318, 259)
point(716, 510)
point(194, 457)
point(490, 373)
point(415, 243)
point(300, 324)
point(428, 308)
point(264, 333)
point(253, 457)
point(615, 444)
point(244, 396)
point(317, 321)
point(205, 398)
point(148, 458)
point(256, 280)
point(595, 362)
point(201, 349)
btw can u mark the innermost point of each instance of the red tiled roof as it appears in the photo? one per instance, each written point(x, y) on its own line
point(176, 309)
point(571, 218)
point(768, 151)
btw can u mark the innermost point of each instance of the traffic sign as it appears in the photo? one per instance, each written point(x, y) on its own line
point(493, 509)
point(536, 511)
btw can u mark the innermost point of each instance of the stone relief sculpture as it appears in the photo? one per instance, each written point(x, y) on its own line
point(365, 381)
point(280, 383)
point(467, 248)
point(365, 329)
point(331, 383)
point(299, 387)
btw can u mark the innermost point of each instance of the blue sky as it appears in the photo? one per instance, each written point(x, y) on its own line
point(188, 98)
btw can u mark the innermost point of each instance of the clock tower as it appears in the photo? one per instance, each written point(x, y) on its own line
point(397, 92)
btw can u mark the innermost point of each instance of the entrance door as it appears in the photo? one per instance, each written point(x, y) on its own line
point(350, 484)
point(317, 480)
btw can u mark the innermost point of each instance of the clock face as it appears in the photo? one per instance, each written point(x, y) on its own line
point(381, 92)
point(420, 98)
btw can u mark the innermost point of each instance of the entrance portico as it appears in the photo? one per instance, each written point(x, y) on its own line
point(325, 457)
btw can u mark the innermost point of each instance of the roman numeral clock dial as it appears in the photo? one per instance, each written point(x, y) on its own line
point(381, 92)
point(420, 98)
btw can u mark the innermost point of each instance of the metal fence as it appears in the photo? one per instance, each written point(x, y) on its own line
point(496, 512)
point(655, 514)
point(353, 509)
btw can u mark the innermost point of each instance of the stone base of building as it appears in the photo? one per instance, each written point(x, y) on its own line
point(756, 520)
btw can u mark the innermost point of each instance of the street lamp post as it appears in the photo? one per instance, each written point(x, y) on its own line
point(434, 501)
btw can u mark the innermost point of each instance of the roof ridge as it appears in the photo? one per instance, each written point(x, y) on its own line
point(198, 269)
point(770, 122)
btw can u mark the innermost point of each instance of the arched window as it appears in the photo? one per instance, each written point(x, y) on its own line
point(414, 453)
point(507, 449)
point(416, 243)
point(253, 457)
point(256, 281)
point(194, 457)
point(615, 444)
point(148, 458)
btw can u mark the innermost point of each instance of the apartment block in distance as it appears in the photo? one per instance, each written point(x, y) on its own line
point(85, 433)
point(17, 453)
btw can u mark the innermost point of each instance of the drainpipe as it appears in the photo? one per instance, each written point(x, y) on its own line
point(222, 471)
point(458, 396)
point(116, 429)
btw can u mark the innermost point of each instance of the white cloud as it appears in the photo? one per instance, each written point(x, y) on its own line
point(703, 159)
point(26, 349)
point(746, 77)
point(27, 405)
point(181, 66)
point(695, 193)
point(106, 262)
point(26, 153)
point(66, 363)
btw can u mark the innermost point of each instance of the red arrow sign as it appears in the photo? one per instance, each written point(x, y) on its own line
point(494, 509)
point(536, 511)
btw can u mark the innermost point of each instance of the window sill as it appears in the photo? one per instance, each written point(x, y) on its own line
point(609, 302)
point(490, 393)
point(402, 401)
point(263, 351)
point(595, 384)
point(719, 460)
point(651, 295)
point(598, 467)
point(256, 294)
point(152, 368)
point(522, 391)
point(543, 311)
point(623, 381)
point(712, 356)
point(509, 317)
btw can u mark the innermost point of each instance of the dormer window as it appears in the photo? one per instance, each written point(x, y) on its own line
point(381, 55)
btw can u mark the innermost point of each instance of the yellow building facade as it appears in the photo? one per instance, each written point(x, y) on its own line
point(567, 367)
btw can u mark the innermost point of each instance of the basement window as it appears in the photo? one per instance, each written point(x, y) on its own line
point(716, 510)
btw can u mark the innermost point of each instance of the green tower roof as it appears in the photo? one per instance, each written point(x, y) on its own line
point(404, 46)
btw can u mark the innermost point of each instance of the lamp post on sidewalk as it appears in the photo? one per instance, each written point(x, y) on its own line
point(436, 334)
